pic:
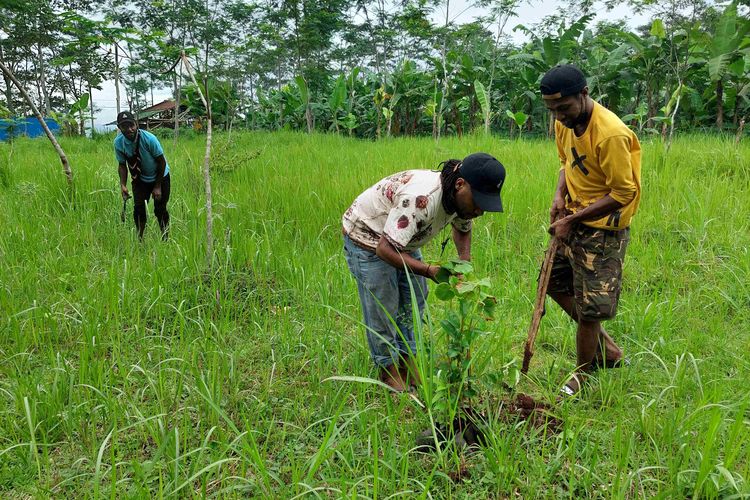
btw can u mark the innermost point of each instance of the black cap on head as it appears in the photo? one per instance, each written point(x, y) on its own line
point(486, 176)
point(562, 81)
point(125, 117)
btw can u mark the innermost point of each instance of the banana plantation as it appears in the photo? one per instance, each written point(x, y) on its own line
point(373, 69)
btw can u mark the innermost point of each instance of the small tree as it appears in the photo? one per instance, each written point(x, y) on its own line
point(470, 306)
point(63, 159)
point(519, 118)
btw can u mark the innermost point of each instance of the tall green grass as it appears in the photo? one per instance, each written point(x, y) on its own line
point(128, 370)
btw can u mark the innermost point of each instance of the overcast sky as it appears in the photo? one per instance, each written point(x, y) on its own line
point(460, 12)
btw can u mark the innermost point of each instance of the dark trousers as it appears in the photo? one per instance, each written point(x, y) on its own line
point(141, 195)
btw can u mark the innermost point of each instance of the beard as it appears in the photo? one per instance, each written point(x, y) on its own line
point(582, 118)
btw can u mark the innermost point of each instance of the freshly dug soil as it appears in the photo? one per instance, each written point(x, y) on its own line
point(524, 407)
point(470, 435)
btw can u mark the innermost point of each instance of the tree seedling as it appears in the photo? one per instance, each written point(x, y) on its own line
point(470, 306)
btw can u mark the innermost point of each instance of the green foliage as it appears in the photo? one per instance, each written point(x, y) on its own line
point(519, 119)
point(72, 120)
point(470, 306)
point(725, 42)
point(484, 100)
point(223, 96)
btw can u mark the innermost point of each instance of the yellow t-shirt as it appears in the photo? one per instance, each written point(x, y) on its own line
point(605, 160)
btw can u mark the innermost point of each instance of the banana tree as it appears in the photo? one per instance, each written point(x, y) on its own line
point(723, 53)
point(610, 80)
point(647, 62)
point(69, 119)
point(336, 101)
point(543, 53)
point(410, 89)
point(304, 93)
point(484, 103)
point(551, 50)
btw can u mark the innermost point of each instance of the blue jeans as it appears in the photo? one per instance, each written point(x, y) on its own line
point(385, 294)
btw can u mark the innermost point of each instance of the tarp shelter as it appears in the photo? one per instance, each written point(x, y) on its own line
point(30, 127)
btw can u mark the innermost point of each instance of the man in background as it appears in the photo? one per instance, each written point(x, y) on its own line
point(140, 153)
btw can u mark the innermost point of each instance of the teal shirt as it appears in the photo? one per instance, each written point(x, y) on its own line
point(150, 150)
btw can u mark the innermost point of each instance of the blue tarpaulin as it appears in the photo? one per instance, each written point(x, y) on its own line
point(25, 126)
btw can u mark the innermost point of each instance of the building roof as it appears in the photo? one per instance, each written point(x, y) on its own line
point(162, 106)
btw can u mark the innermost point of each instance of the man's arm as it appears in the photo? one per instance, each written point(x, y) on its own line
point(596, 210)
point(557, 211)
point(392, 256)
point(161, 166)
point(122, 170)
point(463, 243)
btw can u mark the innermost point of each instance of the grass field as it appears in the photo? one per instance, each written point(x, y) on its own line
point(126, 370)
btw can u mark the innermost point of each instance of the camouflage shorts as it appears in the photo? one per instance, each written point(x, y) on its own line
point(589, 267)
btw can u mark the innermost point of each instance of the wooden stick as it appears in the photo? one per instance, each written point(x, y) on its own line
point(206, 161)
point(541, 292)
point(50, 135)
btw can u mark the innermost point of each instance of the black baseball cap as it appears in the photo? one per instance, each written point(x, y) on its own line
point(486, 176)
point(561, 81)
point(125, 117)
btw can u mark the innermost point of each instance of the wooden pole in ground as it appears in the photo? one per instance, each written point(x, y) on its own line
point(206, 164)
point(541, 292)
point(35, 110)
point(740, 129)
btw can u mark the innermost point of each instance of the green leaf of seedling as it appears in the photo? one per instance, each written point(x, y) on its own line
point(463, 267)
point(484, 283)
point(449, 265)
point(466, 308)
point(443, 275)
point(444, 291)
point(466, 286)
point(488, 307)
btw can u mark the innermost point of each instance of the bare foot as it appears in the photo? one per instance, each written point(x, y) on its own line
point(392, 378)
point(409, 372)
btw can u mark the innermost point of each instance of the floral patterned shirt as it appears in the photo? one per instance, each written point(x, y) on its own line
point(405, 207)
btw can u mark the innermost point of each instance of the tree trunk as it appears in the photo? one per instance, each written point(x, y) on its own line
point(309, 118)
point(91, 107)
point(651, 106)
point(673, 121)
point(117, 77)
point(8, 86)
point(178, 90)
point(50, 136)
point(740, 129)
point(378, 112)
point(206, 166)
point(209, 203)
point(720, 105)
point(445, 69)
point(43, 81)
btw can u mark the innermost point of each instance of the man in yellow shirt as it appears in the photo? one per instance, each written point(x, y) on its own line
point(598, 192)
